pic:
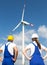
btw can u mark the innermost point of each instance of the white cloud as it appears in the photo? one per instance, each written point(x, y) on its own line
point(27, 36)
point(42, 30)
point(18, 41)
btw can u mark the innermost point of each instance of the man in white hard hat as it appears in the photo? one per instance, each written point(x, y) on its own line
point(35, 48)
point(10, 51)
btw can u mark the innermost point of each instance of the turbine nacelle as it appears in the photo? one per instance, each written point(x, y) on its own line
point(26, 23)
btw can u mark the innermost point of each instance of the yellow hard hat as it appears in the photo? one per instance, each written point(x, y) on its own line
point(10, 37)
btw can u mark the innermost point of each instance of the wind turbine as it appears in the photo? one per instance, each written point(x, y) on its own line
point(23, 23)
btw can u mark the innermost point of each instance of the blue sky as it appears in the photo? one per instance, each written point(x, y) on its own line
point(11, 13)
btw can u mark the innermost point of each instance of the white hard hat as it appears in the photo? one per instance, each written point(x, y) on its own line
point(35, 35)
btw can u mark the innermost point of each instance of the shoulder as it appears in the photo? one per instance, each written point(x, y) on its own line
point(30, 45)
point(12, 44)
point(43, 47)
point(2, 47)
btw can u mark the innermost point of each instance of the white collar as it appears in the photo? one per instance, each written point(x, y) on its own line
point(8, 43)
point(35, 43)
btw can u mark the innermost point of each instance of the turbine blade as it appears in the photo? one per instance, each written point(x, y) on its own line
point(16, 27)
point(23, 13)
point(27, 23)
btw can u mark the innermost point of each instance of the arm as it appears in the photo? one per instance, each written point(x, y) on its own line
point(15, 53)
point(24, 52)
point(1, 50)
point(45, 57)
point(45, 49)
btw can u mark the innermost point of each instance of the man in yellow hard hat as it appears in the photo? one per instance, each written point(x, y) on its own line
point(10, 51)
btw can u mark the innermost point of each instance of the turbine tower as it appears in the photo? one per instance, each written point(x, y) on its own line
point(23, 23)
